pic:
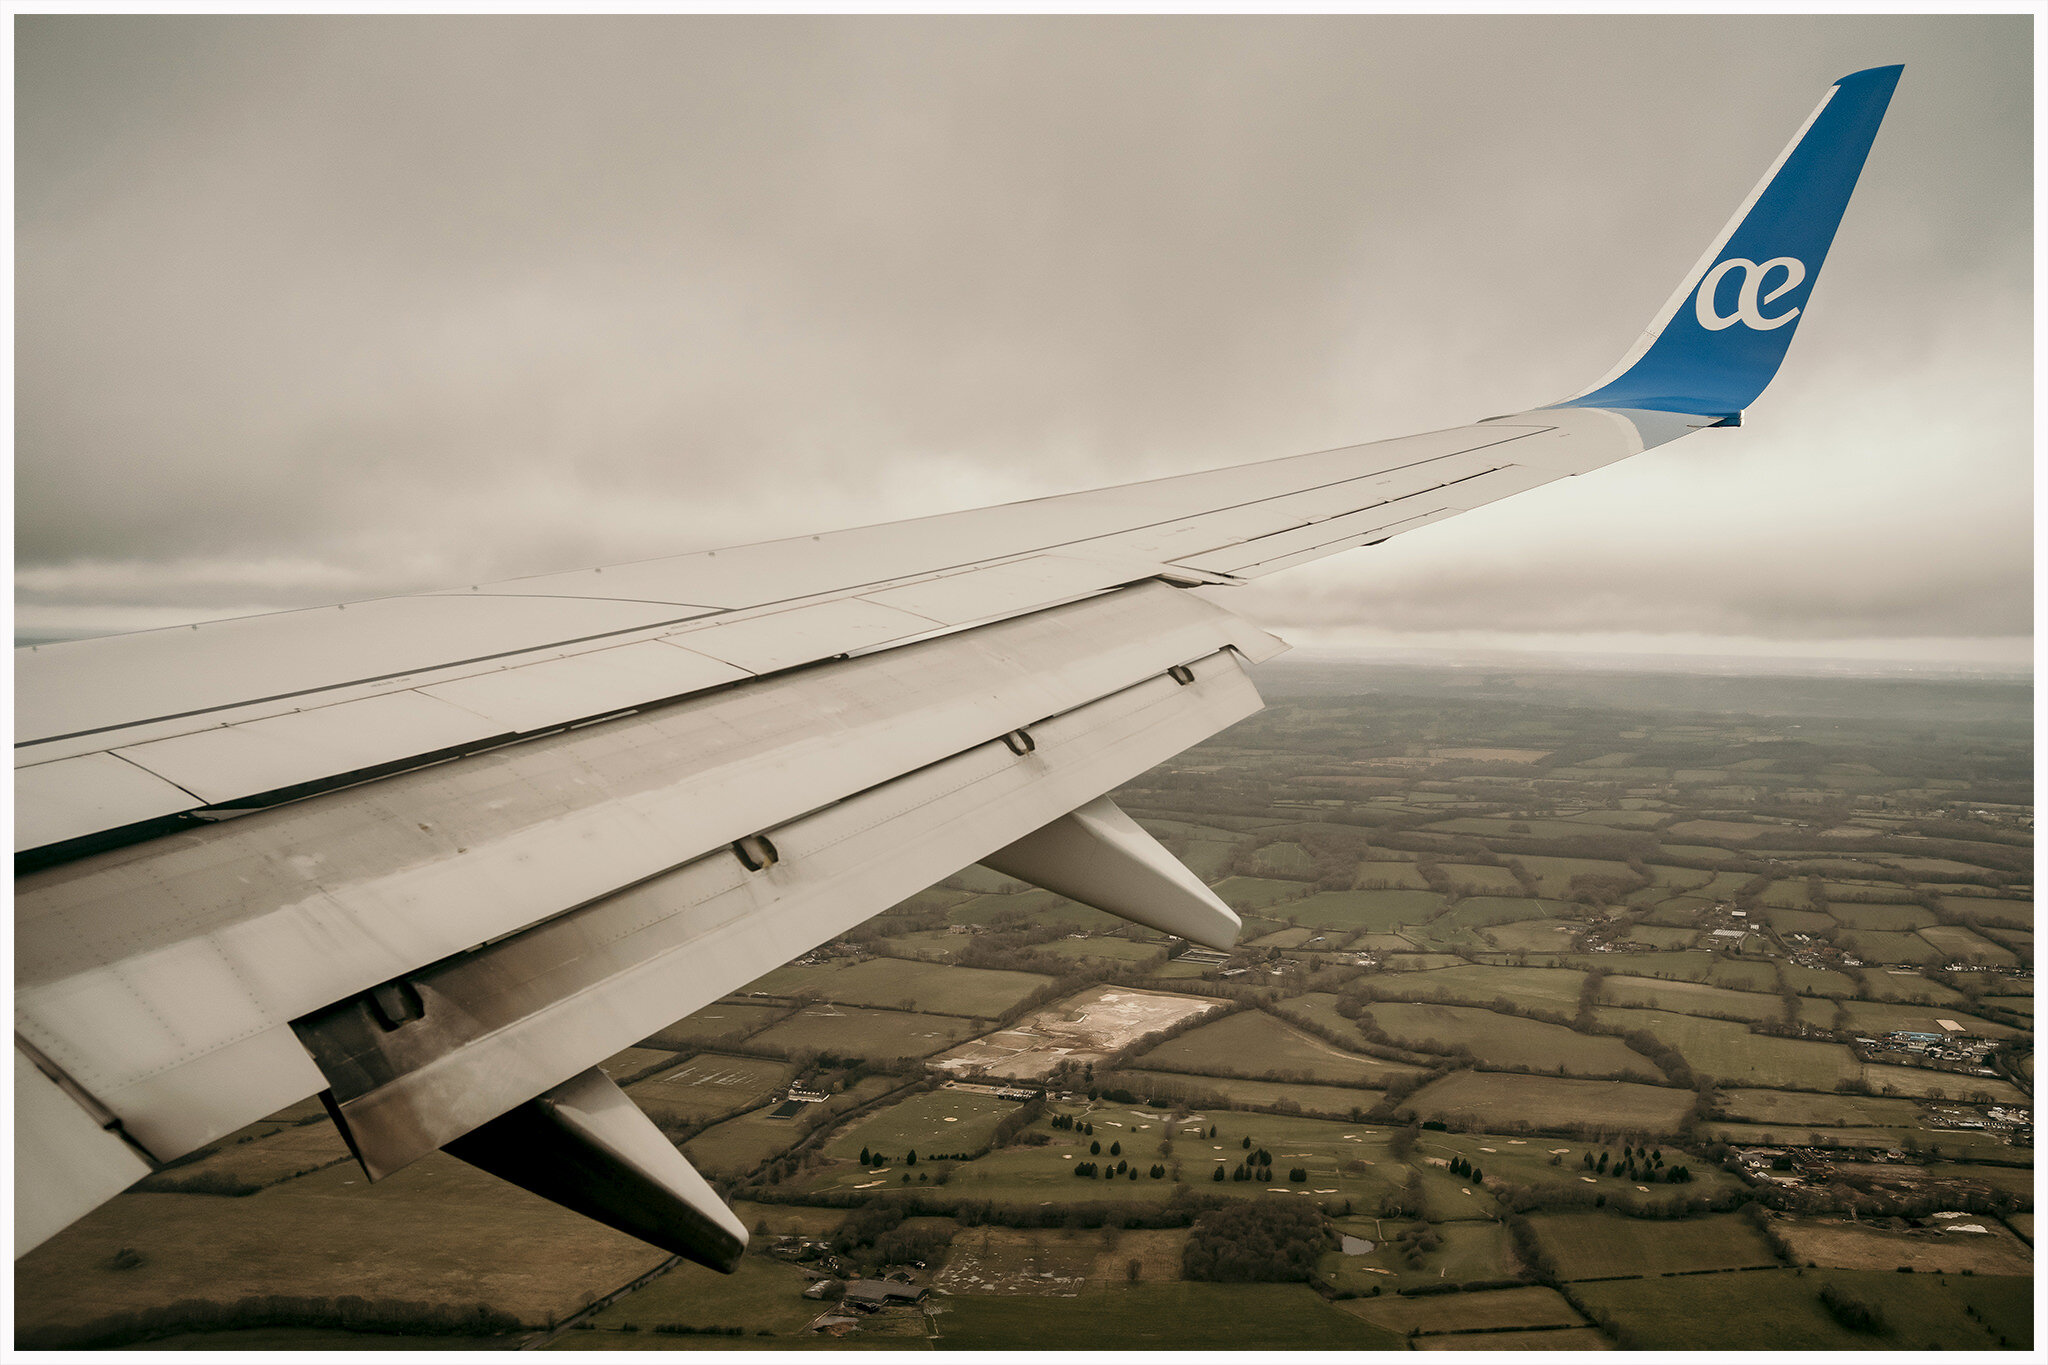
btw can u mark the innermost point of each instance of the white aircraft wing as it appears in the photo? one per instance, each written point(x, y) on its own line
point(433, 857)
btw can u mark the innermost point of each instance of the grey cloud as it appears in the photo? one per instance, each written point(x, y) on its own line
point(316, 306)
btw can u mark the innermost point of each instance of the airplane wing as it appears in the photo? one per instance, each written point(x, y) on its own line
point(434, 857)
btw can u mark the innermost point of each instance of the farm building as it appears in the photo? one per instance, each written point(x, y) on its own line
point(873, 1294)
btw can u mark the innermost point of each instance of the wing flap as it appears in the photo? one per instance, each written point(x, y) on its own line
point(505, 1022)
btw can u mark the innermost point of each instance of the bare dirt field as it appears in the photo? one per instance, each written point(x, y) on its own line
point(1083, 1028)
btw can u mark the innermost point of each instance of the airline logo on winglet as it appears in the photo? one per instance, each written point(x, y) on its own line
point(1748, 305)
point(1759, 272)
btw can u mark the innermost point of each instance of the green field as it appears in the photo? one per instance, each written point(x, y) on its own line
point(1102, 948)
point(852, 1031)
point(1471, 1251)
point(1703, 853)
point(1030, 907)
point(1375, 911)
point(723, 1021)
point(2009, 914)
point(1887, 918)
point(1791, 1108)
point(1390, 876)
point(1256, 893)
point(1729, 1052)
point(1552, 989)
point(1695, 965)
point(1874, 946)
point(1730, 830)
point(1159, 1317)
point(1913, 1080)
point(1899, 984)
point(1798, 921)
point(1527, 1161)
point(1589, 1246)
point(1534, 935)
point(485, 1240)
point(1345, 1160)
point(1206, 857)
point(1536, 829)
point(712, 1085)
point(1255, 1045)
point(1480, 912)
point(1500, 1040)
point(1498, 1100)
point(1478, 879)
point(1957, 944)
point(1746, 1309)
point(1664, 936)
point(894, 983)
point(1693, 997)
point(933, 1122)
point(1554, 875)
point(1329, 1101)
point(762, 1293)
point(741, 1143)
point(1813, 980)
point(1485, 1310)
point(1870, 1016)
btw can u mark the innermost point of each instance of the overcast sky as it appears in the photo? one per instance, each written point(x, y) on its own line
point(323, 309)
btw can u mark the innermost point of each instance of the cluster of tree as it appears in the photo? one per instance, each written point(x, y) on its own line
point(349, 1313)
point(1257, 1241)
point(1335, 854)
point(202, 1182)
point(1015, 1122)
point(1414, 1242)
point(1858, 1315)
point(1461, 1167)
point(1069, 1123)
point(1528, 1249)
point(1641, 1164)
point(1122, 1170)
point(1407, 1202)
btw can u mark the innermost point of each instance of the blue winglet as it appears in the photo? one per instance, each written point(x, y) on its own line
point(1721, 337)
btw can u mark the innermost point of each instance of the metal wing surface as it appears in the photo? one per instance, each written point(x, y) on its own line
point(433, 857)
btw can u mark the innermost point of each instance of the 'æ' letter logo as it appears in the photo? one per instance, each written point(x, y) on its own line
point(1750, 299)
